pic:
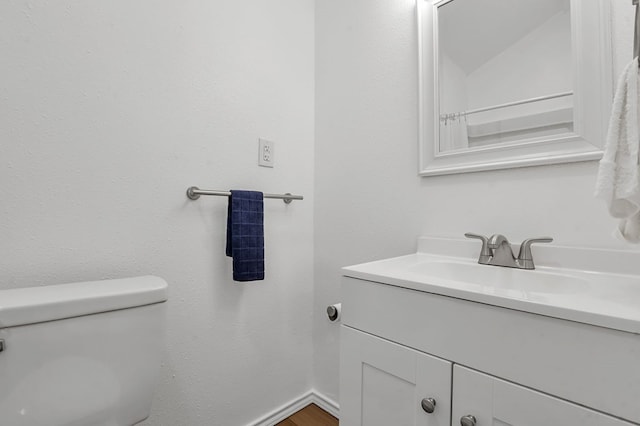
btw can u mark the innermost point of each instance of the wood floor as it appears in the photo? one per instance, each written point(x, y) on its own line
point(311, 415)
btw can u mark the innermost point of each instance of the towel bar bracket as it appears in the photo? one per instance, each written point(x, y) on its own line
point(191, 195)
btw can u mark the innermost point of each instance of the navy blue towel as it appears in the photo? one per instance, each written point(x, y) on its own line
point(245, 235)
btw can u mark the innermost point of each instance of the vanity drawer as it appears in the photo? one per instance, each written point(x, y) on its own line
point(593, 366)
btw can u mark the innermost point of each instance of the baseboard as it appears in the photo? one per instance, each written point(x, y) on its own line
point(327, 404)
point(311, 397)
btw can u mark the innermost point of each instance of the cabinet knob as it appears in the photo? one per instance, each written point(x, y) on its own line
point(428, 405)
point(468, 420)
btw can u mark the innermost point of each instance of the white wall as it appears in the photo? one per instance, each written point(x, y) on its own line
point(108, 112)
point(370, 202)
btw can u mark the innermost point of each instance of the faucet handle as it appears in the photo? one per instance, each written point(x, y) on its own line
point(525, 258)
point(485, 252)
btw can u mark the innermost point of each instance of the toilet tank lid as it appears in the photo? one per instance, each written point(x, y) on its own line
point(31, 305)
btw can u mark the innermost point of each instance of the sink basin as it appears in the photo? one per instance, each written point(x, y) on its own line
point(499, 279)
point(594, 286)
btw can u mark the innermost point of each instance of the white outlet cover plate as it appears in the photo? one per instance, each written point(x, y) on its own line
point(266, 153)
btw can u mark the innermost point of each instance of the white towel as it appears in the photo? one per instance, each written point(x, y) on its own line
point(618, 182)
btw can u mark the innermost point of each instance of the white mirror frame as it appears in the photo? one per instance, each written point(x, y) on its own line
point(593, 88)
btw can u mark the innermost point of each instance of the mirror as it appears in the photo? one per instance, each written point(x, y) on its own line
point(511, 80)
point(512, 83)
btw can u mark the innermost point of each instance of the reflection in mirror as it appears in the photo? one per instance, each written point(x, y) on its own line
point(504, 72)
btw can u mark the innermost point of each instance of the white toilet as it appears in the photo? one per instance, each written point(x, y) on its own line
point(82, 354)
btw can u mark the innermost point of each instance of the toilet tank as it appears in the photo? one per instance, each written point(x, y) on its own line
point(81, 354)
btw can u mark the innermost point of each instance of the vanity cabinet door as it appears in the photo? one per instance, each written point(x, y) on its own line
point(494, 402)
point(383, 383)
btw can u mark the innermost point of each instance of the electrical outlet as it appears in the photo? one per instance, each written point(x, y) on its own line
point(266, 154)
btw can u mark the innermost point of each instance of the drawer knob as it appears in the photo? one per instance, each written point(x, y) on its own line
point(428, 405)
point(468, 420)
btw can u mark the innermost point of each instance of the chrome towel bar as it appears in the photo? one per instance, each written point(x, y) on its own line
point(193, 193)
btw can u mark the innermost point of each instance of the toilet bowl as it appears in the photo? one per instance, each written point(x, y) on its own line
point(81, 354)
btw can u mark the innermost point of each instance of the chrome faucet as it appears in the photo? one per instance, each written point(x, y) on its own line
point(496, 251)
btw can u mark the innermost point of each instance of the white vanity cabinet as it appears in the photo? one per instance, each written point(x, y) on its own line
point(483, 365)
point(383, 384)
point(495, 402)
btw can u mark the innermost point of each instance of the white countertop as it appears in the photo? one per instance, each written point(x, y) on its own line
point(607, 294)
